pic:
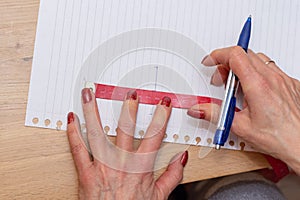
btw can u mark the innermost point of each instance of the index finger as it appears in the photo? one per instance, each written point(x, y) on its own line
point(237, 60)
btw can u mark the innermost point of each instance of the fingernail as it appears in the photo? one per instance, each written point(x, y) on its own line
point(86, 95)
point(214, 79)
point(166, 101)
point(131, 95)
point(70, 117)
point(200, 114)
point(184, 158)
point(208, 61)
point(204, 59)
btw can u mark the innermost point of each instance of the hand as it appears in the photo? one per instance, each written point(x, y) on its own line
point(120, 172)
point(270, 117)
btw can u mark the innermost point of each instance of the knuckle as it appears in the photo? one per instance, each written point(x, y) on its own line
point(250, 51)
point(156, 128)
point(278, 78)
point(236, 54)
point(215, 52)
point(126, 126)
point(242, 131)
point(260, 54)
point(93, 132)
point(177, 176)
point(236, 51)
point(76, 149)
point(264, 84)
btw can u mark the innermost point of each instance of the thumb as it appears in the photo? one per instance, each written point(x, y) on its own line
point(167, 182)
point(207, 111)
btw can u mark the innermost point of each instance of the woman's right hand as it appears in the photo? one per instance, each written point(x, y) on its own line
point(270, 117)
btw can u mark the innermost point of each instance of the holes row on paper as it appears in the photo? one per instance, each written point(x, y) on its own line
point(141, 133)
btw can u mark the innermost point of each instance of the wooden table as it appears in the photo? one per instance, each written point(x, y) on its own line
point(36, 163)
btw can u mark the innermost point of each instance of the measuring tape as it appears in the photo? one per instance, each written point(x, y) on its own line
point(184, 101)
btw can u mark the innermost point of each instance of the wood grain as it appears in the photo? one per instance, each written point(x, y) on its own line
point(36, 163)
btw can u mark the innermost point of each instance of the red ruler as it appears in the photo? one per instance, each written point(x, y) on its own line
point(183, 101)
point(151, 97)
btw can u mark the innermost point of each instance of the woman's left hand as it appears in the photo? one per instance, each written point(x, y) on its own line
point(118, 171)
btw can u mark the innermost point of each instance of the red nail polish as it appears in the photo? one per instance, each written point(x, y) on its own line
point(86, 95)
point(166, 101)
point(184, 158)
point(131, 95)
point(70, 117)
point(200, 114)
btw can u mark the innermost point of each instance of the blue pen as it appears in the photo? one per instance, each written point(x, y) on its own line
point(229, 102)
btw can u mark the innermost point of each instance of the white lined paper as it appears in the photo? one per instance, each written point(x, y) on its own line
point(68, 31)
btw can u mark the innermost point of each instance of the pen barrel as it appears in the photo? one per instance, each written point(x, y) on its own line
point(222, 134)
point(228, 105)
point(230, 92)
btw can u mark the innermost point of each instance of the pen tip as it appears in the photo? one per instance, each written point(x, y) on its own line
point(249, 18)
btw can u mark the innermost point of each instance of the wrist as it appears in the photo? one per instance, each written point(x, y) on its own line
point(290, 151)
point(291, 156)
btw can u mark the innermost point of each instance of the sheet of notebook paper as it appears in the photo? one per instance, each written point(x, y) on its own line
point(148, 44)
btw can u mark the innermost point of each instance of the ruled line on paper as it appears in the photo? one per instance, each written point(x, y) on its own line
point(76, 28)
